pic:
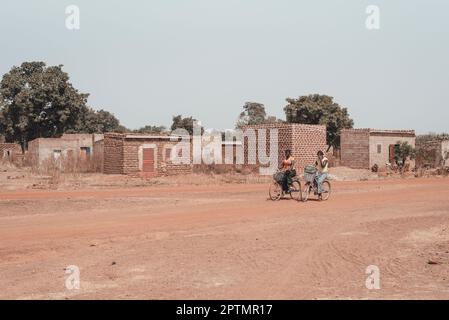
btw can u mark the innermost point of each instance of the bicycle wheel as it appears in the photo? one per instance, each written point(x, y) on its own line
point(325, 190)
point(275, 191)
point(295, 190)
point(306, 191)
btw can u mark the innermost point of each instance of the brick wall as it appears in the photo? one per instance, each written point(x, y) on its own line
point(122, 152)
point(432, 153)
point(113, 153)
point(354, 144)
point(10, 152)
point(122, 155)
point(362, 148)
point(307, 141)
point(163, 165)
point(251, 149)
point(303, 140)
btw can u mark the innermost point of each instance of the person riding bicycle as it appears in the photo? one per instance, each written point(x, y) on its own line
point(288, 168)
point(322, 165)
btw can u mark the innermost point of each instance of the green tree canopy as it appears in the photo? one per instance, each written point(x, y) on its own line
point(100, 121)
point(38, 101)
point(319, 109)
point(183, 123)
point(402, 151)
point(151, 129)
point(254, 113)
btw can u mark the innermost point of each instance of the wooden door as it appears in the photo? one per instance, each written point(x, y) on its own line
point(391, 153)
point(148, 160)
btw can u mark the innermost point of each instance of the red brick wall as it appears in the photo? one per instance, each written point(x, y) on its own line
point(303, 140)
point(113, 154)
point(10, 151)
point(354, 144)
point(284, 141)
point(307, 141)
point(121, 156)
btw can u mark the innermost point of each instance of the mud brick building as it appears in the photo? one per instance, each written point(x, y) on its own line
point(363, 148)
point(432, 153)
point(76, 146)
point(143, 155)
point(98, 155)
point(10, 152)
point(303, 140)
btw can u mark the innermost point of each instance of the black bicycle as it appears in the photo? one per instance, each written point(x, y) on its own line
point(276, 191)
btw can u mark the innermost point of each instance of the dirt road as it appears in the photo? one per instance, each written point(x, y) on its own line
point(227, 242)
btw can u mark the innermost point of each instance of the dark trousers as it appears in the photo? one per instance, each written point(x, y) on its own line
point(287, 180)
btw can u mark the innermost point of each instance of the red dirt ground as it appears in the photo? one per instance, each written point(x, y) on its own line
point(227, 242)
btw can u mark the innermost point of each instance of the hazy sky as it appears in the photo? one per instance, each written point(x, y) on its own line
point(148, 60)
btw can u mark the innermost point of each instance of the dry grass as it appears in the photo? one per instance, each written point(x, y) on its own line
point(224, 169)
point(65, 170)
point(211, 179)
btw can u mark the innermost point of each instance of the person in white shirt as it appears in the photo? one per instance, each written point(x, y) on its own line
point(322, 165)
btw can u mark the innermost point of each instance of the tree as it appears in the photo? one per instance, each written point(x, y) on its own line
point(183, 123)
point(402, 151)
point(151, 129)
point(100, 121)
point(38, 101)
point(254, 113)
point(429, 137)
point(319, 109)
point(273, 119)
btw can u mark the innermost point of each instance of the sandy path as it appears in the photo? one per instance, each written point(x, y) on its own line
point(227, 242)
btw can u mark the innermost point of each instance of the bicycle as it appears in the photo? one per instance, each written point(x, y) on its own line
point(276, 191)
point(311, 184)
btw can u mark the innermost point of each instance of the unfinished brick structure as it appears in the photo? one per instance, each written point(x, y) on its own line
point(363, 148)
point(142, 155)
point(432, 153)
point(10, 152)
point(303, 140)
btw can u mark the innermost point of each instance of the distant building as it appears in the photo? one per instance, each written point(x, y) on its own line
point(363, 148)
point(152, 155)
point(432, 153)
point(75, 146)
point(11, 152)
point(142, 155)
point(303, 140)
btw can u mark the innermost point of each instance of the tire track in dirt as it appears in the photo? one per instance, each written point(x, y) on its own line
point(237, 245)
